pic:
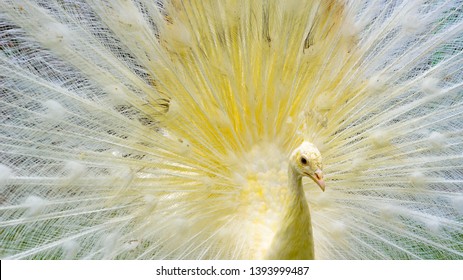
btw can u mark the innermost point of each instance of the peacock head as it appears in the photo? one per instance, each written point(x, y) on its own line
point(306, 160)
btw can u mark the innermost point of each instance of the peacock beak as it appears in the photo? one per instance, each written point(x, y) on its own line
point(318, 179)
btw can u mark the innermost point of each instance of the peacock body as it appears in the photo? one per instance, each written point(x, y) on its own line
point(173, 129)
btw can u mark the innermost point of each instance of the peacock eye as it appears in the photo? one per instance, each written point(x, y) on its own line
point(303, 160)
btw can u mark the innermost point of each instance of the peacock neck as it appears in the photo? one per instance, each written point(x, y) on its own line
point(294, 238)
point(295, 186)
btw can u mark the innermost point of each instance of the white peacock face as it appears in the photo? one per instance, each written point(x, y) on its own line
point(307, 160)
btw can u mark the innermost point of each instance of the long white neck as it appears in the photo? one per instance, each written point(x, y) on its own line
point(294, 239)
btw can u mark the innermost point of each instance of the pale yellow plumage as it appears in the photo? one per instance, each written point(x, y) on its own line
point(231, 92)
point(293, 238)
point(183, 129)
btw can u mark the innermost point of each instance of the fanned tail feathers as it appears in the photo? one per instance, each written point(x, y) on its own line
point(141, 129)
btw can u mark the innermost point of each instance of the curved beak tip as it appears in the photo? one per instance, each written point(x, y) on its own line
point(319, 179)
point(321, 184)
